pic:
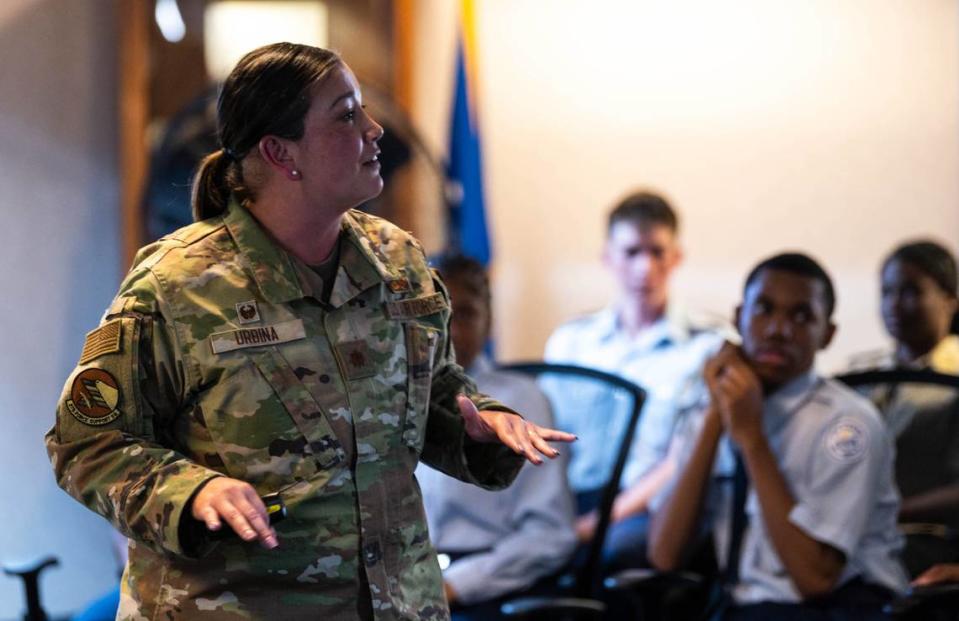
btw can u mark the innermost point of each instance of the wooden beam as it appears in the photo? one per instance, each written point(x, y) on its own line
point(404, 37)
point(402, 188)
point(134, 21)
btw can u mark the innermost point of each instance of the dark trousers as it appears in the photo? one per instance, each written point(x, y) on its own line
point(490, 610)
point(625, 546)
point(854, 601)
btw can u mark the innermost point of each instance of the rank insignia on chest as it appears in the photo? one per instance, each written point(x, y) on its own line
point(247, 312)
point(400, 285)
point(94, 397)
point(357, 359)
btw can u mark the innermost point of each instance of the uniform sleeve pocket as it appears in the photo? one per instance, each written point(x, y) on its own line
point(421, 342)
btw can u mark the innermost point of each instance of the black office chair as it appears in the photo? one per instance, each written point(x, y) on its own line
point(30, 574)
point(922, 409)
point(580, 387)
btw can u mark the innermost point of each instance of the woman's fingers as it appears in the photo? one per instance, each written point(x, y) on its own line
point(257, 523)
point(520, 431)
point(237, 503)
point(554, 435)
point(540, 445)
point(211, 518)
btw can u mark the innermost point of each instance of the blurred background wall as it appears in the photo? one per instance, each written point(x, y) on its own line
point(828, 126)
point(59, 268)
point(824, 125)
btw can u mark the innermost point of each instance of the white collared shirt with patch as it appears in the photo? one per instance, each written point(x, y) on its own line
point(837, 458)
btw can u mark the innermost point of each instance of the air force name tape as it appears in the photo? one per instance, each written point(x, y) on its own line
point(257, 337)
point(416, 307)
point(94, 397)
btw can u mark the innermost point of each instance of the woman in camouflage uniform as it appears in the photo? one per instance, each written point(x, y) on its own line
point(283, 343)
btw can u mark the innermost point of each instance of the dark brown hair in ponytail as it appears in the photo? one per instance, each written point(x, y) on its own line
point(267, 93)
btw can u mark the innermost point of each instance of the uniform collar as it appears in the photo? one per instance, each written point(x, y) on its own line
point(790, 396)
point(274, 269)
point(268, 263)
point(362, 263)
point(671, 328)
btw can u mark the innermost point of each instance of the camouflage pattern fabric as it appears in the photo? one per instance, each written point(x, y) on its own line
point(219, 357)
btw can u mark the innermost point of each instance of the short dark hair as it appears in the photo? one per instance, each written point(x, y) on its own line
point(933, 259)
point(466, 271)
point(802, 265)
point(644, 208)
point(268, 92)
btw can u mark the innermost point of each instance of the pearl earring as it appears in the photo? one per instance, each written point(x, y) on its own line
point(295, 173)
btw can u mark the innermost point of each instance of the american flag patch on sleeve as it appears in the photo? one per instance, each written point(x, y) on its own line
point(103, 340)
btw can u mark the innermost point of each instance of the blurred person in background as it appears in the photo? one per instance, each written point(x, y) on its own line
point(919, 306)
point(501, 543)
point(648, 339)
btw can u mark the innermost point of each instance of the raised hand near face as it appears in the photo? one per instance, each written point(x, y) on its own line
point(736, 394)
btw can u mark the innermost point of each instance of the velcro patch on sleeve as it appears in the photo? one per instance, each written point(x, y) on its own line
point(103, 340)
point(94, 398)
point(847, 441)
point(416, 307)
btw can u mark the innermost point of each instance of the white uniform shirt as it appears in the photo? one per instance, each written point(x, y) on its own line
point(837, 459)
point(664, 359)
point(524, 532)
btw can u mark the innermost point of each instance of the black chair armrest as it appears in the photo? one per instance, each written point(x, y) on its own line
point(554, 608)
point(640, 579)
point(922, 601)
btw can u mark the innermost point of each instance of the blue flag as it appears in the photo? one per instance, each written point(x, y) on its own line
point(468, 233)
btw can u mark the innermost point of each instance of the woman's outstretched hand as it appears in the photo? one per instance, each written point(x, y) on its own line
point(522, 436)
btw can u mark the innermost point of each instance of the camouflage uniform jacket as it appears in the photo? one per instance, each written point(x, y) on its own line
point(219, 357)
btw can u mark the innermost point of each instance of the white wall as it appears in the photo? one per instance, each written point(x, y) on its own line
point(830, 126)
point(59, 265)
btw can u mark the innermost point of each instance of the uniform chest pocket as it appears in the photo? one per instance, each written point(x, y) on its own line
point(421, 343)
point(269, 429)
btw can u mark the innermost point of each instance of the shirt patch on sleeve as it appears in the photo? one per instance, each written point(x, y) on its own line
point(416, 307)
point(94, 397)
point(103, 340)
point(257, 337)
point(846, 441)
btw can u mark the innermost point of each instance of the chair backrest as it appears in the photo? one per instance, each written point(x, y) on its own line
point(575, 388)
point(921, 409)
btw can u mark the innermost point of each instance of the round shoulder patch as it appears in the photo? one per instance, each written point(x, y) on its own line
point(94, 397)
point(847, 440)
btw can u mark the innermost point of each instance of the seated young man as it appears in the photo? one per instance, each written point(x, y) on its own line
point(504, 542)
point(647, 338)
point(815, 535)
